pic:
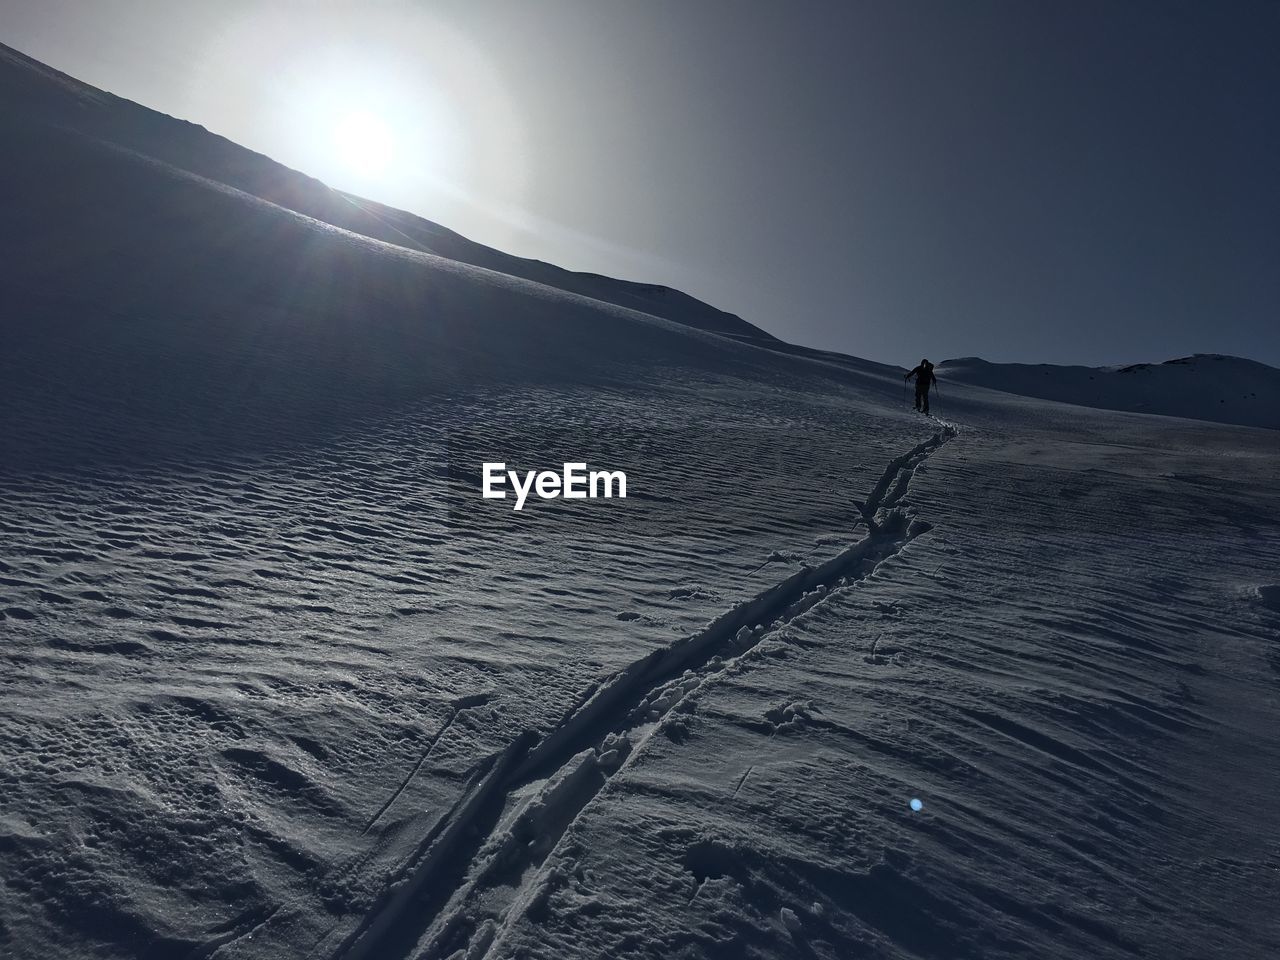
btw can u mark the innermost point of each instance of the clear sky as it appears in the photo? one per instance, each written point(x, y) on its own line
point(1068, 182)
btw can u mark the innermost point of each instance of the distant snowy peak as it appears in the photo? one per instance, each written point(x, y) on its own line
point(33, 92)
point(1205, 386)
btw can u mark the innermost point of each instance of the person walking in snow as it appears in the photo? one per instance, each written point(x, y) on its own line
point(924, 380)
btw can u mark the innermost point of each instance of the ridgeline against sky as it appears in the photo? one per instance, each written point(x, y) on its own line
point(1091, 183)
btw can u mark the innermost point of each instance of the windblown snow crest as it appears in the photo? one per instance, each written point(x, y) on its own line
point(486, 863)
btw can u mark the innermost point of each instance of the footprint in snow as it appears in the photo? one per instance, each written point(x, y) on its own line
point(791, 715)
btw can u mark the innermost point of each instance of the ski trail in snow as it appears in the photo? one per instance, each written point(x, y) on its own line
point(463, 703)
point(240, 929)
point(488, 861)
point(247, 928)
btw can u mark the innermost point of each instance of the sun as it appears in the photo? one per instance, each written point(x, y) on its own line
point(365, 142)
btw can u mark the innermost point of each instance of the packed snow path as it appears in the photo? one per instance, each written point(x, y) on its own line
point(480, 866)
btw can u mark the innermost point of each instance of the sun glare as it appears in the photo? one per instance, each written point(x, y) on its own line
point(365, 143)
point(363, 97)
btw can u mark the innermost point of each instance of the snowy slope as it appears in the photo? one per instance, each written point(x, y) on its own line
point(1082, 698)
point(33, 93)
point(278, 683)
point(1202, 387)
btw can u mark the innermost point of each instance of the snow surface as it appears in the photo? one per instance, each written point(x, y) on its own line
point(277, 683)
point(1202, 387)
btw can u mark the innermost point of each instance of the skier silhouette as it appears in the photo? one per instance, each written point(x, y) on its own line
point(924, 380)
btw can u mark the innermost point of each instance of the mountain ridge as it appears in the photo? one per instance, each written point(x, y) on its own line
point(1204, 386)
point(36, 91)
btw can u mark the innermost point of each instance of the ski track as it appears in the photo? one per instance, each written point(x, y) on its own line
point(461, 704)
point(250, 598)
point(482, 866)
point(256, 666)
point(1081, 702)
